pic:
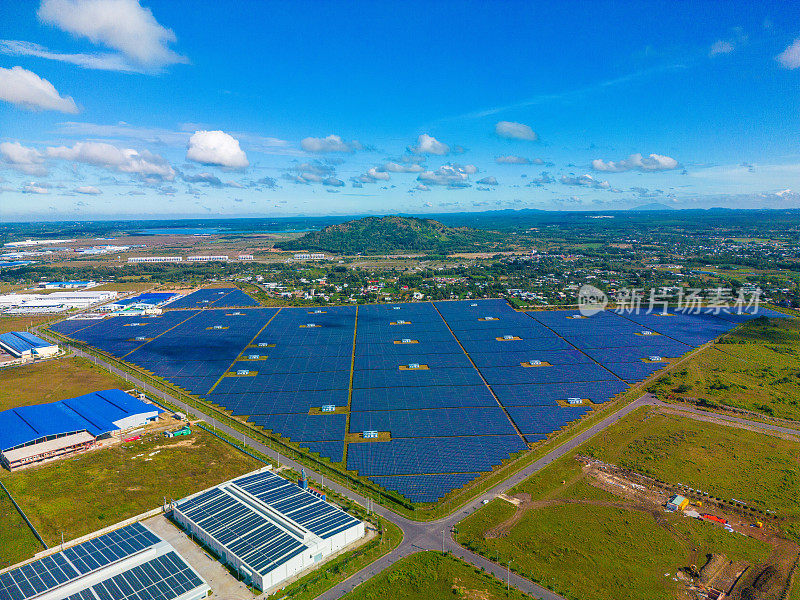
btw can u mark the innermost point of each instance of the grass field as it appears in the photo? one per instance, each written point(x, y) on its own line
point(432, 576)
point(761, 470)
point(599, 551)
point(22, 323)
point(97, 489)
point(755, 367)
point(52, 380)
point(17, 542)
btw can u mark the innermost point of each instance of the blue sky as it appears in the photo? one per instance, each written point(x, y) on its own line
point(114, 108)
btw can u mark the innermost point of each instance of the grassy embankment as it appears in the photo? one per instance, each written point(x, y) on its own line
point(94, 490)
point(584, 542)
point(429, 576)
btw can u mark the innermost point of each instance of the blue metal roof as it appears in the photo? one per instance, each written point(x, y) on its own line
point(22, 341)
point(95, 413)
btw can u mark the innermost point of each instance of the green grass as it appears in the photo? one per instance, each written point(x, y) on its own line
point(94, 490)
point(343, 566)
point(54, 379)
point(755, 367)
point(22, 323)
point(432, 576)
point(726, 462)
point(17, 542)
point(603, 552)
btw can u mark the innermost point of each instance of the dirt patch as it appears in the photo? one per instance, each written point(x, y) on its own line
point(461, 591)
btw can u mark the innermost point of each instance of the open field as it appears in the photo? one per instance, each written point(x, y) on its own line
point(755, 367)
point(761, 470)
point(587, 543)
point(94, 490)
point(17, 542)
point(22, 323)
point(431, 576)
point(52, 380)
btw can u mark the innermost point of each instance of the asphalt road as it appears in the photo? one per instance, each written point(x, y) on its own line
point(433, 535)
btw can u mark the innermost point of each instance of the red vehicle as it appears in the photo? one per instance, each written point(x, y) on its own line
point(132, 439)
point(715, 519)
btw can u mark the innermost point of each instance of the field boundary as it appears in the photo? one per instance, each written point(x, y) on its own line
point(24, 516)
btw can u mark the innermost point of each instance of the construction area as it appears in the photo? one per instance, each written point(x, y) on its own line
point(704, 576)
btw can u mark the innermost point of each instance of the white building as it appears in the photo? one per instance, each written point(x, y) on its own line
point(280, 528)
point(52, 303)
point(155, 259)
point(220, 258)
point(309, 256)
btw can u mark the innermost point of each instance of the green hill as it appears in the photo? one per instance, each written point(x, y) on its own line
point(395, 235)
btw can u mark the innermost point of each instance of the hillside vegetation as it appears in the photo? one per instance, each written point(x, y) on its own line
point(395, 235)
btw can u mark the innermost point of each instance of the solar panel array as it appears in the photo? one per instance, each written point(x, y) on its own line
point(430, 375)
point(214, 298)
point(163, 578)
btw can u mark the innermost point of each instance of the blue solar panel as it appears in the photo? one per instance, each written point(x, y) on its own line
point(483, 420)
point(410, 456)
point(425, 488)
point(545, 419)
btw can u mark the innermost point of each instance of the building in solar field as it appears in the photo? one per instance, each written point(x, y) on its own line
point(309, 256)
point(265, 527)
point(22, 344)
point(43, 432)
point(130, 563)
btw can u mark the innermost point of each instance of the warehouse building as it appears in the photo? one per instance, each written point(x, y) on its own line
point(130, 563)
point(22, 344)
point(43, 432)
point(265, 527)
point(52, 303)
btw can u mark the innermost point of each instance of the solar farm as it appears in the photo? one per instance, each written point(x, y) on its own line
point(421, 398)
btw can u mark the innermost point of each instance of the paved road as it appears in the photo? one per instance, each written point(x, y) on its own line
point(433, 535)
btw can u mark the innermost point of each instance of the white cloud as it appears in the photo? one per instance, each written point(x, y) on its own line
point(374, 173)
point(515, 131)
point(721, 47)
point(88, 189)
point(125, 160)
point(487, 181)
point(332, 143)
point(421, 187)
point(332, 181)
point(512, 160)
point(216, 148)
point(106, 61)
point(449, 175)
point(585, 181)
point(34, 188)
point(394, 167)
point(654, 162)
point(790, 58)
point(23, 159)
point(123, 25)
point(427, 144)
point(27, 90)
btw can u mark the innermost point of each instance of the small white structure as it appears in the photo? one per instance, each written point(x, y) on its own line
point(535, 362)
point(309, 256)
point(369, 434)
point(328, 408)
point(655, 358)
point(574, 401)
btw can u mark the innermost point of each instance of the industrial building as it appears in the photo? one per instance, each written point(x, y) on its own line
point(22, 344)
point(43, 432)
point(17, 304)
point(67, 285)
point(309, 256)
point(205, 258)
point(265, 527)
point(130, 563)
point(155, 259)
